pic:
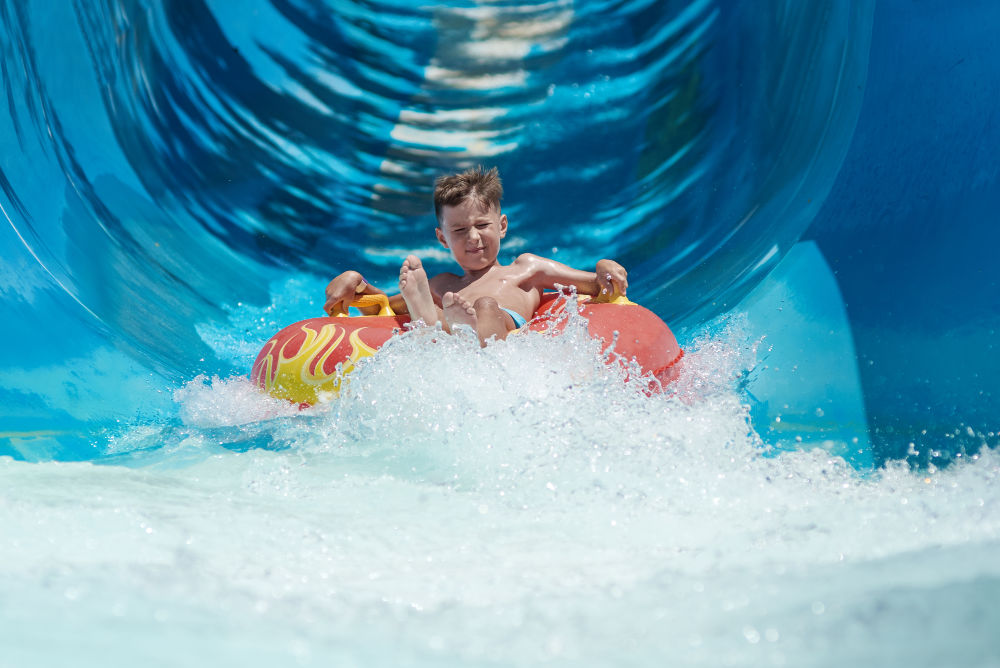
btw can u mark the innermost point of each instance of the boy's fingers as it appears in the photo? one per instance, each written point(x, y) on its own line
point(335, 306)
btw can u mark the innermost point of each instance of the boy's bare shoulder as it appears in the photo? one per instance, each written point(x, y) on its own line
point(528, 260)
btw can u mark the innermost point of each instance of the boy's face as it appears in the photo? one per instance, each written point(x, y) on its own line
point(472, 233)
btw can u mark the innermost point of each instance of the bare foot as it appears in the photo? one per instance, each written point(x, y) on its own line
point(458, 311)
point(416, 291)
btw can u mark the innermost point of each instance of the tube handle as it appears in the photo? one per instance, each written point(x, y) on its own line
point(371, 300)
point(611, 298)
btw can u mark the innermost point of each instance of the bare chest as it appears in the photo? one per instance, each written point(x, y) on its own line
point(506, 288)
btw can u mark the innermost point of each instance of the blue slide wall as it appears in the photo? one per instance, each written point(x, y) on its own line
point(911, 228)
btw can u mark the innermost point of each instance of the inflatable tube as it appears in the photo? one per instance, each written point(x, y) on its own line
point(308, 361)
point(636, 332)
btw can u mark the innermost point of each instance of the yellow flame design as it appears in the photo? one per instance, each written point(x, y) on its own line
point(300, 377)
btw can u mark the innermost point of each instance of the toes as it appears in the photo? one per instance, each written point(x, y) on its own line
point(456, 301)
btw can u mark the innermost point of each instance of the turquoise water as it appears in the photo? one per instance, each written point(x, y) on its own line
point(179, 180)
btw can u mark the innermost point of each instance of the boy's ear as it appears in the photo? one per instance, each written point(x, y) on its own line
point(437, 231)
point(503, 225)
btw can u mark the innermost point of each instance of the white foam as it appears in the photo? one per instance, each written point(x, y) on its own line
point(517, 504)
point(218, 402)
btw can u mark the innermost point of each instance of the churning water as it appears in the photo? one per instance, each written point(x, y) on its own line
point(518, 504)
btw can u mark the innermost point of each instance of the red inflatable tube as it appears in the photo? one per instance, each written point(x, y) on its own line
point(307, 361)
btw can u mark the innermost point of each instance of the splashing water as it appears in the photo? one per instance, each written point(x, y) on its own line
point(520, 503)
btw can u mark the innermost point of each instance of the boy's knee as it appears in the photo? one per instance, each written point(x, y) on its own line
point(486, 305)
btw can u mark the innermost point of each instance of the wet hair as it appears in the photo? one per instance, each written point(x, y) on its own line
point(478, 184)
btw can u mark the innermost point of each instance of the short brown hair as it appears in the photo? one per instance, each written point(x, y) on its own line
point(476, 183)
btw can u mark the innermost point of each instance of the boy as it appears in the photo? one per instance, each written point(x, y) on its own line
point(492, 298)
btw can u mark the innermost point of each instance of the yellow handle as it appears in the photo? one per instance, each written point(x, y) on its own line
point(611, 298)
point(371, 300)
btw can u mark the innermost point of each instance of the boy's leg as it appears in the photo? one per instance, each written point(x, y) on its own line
point(416, 292)
point(458, 311)
point(491, 320)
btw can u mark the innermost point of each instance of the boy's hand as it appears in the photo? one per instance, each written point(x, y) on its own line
point(340, 292)
point(611, 277)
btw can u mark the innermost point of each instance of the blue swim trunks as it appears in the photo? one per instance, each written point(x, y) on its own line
point(519, 320)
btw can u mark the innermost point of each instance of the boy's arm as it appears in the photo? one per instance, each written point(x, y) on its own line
point(609, 276)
